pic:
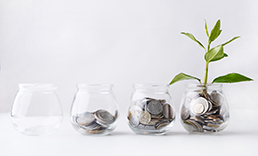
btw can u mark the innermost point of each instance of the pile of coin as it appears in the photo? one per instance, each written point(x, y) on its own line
point(94, 122)
point(150, 114)
point(206, 112)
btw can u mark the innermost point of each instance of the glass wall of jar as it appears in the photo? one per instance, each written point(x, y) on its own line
point(94, 109)
point(204, 108)
point(151, 110)
point(36, 109)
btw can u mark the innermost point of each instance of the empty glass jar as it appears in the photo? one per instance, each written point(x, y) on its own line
point(36, 109)
point(151, 110)
point(94, 109)
point(204, 108)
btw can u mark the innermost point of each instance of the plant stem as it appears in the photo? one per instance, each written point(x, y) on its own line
point(207, 65)
point(206, 73)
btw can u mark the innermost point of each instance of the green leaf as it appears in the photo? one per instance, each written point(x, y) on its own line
point(231, 78)
point(182, 76)
point(215, 54)
point(193, 38)
point(230, 40)
point(215, 32)
point(206, 28)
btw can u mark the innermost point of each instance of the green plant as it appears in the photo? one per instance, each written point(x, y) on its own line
point(212, 55)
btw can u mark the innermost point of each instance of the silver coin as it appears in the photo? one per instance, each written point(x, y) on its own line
point(199, 106)
point(148, 127)
point(85, 118)
point(216, 98)
point(93, 125)
point(135, 110)
point(197, 127)
point(185, 114)
point(134, 121)
point(154, 107)
point(215, 121)
point(168, 111)
point(104, 117)
point(145, 118)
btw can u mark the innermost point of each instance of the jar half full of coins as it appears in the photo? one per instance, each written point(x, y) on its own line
point(204, 108)
point(151, 110)
point(94, 109)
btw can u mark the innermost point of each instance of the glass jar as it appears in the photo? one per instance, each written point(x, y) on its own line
point(151, 110)
point(204, 108)
point(94, 109)
point(36, 109)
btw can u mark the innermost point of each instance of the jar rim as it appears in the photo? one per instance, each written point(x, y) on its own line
point(150, 85)
point(194, 85)
point(37, 85)
point(94, 85)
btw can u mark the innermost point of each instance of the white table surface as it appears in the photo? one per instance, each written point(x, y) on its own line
point(240, 138)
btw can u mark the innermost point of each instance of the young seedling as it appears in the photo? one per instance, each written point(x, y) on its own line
point(212, 55)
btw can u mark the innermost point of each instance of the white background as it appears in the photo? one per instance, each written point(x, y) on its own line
point(124, 42)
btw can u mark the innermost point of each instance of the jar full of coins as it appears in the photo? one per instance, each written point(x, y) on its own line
point(151, 110)
point(204, 108)
point(94, 109)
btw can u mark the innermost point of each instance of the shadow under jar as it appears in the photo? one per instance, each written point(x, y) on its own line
point(94, 109)
point(151, 110)
point(204, 108)
point(36, 109)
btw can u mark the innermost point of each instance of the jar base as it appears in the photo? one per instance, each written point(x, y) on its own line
point(162, 131)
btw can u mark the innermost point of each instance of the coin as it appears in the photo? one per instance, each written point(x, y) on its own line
point(199, 106)
point(135, 110)
point(163, 101)
point(85, 118)
point(184, 113)
point(116, 114)
point(161, 124)
point(91, 126)
point(198, 119)
point(144, 102)
point(129, 115)
point(159, 116)
point(154, 107)
point(104, 117)
point(213, 111)
point(154, 121)
point(147, 127)
point(168, 111)
point(134, 121)
point(145, 117)
point(97, 131)
point(196, 125)
point(216, 98)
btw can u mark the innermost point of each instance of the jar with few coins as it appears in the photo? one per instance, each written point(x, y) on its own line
point(204, 108)
point(94, 109)
point(151, 110)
